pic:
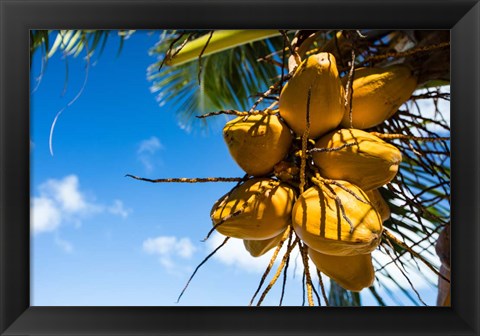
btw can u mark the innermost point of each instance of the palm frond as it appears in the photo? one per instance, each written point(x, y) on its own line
point(73, 42)
point(228, 79)
point(340, 297)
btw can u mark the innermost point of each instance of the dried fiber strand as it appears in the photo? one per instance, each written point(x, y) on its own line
point(288, 233)
point(200, 265)
point(187, 180)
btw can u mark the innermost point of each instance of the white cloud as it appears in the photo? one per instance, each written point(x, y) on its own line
point(118, 208)
point(60, 201)
point(45, 216)
point(63, 244)
point(167, 248)
point(235, 255)
point(149, 145)
point(146, 162)
point(185, 248)
point(146, 151)
point(66, 193)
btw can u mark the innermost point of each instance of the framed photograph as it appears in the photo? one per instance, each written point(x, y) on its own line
point(239, 168)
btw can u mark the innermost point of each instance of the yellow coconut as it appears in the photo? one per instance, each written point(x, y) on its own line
point(379, 203)
point(319, 74)
point(321, 221)
point(258, 209)
point(351, 272)
point(258, 248)
point(357, 157)
point(377, 94)
point(257, 142)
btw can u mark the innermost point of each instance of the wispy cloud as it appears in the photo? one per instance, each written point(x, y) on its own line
point(234, 254)
point(146, 151)
point(60, 201)
point(66, 194)
point(119, 209)
point(168, 249)
point(46, 216)
point(63, 244)
point(149, 145)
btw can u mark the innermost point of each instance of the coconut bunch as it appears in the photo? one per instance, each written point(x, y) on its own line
point(314, 169)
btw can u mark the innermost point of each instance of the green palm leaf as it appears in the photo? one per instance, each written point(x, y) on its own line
point(224, 80)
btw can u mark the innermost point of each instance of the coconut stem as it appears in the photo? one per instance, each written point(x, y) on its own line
point(344, 215)
point(322, 287)
point(407, 137)
point(269, 91)
point(223, 220)
point(295, 55)
point(284, 283)
point(318, 179)
point(308, 280)
point(303, 157)
point(349, 89)
point(288, 233)
point(200, 265)
point(169, 54)
point(187, 180)
point(406, 53)
point(237, 113)
point(279, 271)
point(332, 149)
point(200, 67)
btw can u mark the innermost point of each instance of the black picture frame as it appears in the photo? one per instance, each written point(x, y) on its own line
point(17, 17)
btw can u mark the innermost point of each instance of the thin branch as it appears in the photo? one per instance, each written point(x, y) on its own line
point(406, 53)
point(200, 57)
point(303, 157)
point(223, 220)
point(200, 265)
point(298, 60)
point(349, 88)
point(238, 113)
point(407, 137)
point(308, 279)
point(332, 149)
point(395, 240)
point(322, 287)
point(402, 270)
point(432, 95)
point(187, 180)
point(288, 233)
point(168, 54)
point(269, 91)
point(279, 271)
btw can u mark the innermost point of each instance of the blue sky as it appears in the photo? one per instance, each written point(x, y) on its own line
point(99, 238)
